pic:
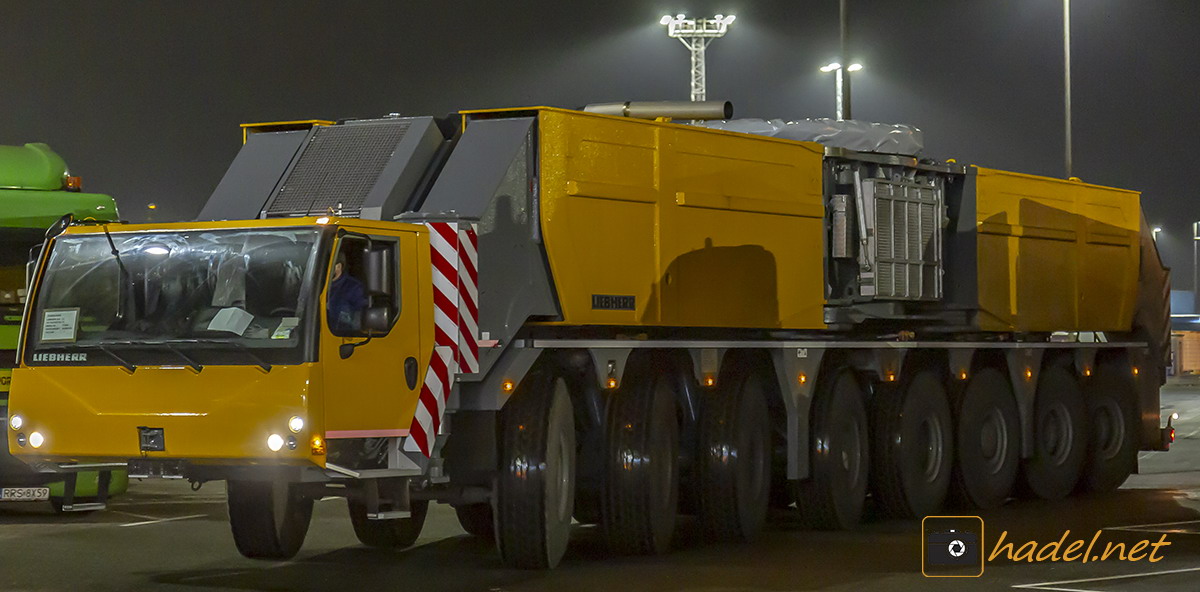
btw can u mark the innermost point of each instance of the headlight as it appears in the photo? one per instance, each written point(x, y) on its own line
point(274, 442)
point(36, 439)
point(15, 422)
point(296, 423)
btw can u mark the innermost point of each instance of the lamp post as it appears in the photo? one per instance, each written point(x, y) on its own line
point(843, 99)
point(1067, 80)
point(1154, 232)
point(696, 34)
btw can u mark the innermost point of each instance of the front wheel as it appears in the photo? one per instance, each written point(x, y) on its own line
point(394, 533)
point(269, 519)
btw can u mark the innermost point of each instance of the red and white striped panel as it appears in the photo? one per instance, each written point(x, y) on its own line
point(468, 293)
point(427, 419)
point(454, 257)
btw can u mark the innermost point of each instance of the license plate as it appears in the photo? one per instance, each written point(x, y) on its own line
point(24, 494)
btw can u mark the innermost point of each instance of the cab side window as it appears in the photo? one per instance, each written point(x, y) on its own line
point(363, 296)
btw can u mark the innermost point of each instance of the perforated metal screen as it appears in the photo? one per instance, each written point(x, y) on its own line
point(339, 166)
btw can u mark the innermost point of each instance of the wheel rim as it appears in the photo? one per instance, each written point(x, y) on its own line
point(930, 440)
point(1108, 429)
point(558, 485)
point(993, 441)
point(851, 450)
point(1055, 433)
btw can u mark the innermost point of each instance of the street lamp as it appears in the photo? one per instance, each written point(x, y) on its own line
point(696, 34)
point(836, 68)
point(1154, 232)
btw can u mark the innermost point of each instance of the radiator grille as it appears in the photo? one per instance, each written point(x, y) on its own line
point(338, 168)
point(907, 239)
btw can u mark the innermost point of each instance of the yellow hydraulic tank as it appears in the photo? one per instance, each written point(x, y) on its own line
point(659, 224)
point(1055, 255)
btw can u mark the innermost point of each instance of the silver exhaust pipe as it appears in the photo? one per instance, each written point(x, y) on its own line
point(693, 110)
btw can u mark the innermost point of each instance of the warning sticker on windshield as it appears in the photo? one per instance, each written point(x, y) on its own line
point(286, 325)
point(59, 325)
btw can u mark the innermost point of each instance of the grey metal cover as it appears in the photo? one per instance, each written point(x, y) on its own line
point(861, 136)
point(252, 176)
point(338, 168)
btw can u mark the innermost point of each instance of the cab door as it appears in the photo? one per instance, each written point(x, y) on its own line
point(373, 391)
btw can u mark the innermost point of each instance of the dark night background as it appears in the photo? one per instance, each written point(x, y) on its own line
point(144, 99)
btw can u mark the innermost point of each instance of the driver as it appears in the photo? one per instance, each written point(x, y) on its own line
point(347, 299)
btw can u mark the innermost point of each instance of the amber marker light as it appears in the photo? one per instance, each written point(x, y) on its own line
point(74, 184)
point(803, 378)
point(610, 383)
point(962, 375)
point(1028, 374)
point(1087, 371)
point(317, 446)
point(507, 386)
point(891, 376)
point(710, 381)
point(1135, 371)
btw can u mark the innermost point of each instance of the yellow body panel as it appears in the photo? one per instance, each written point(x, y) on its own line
point(90, 413)
point(1055, 255)
point(703, 228)
point(225, 413)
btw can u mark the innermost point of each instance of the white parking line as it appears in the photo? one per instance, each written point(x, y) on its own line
point(164, 520)
point(1151, 527)
point(142, 516)
point(1056, 586)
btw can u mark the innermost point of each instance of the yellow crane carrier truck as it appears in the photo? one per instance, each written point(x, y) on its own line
point(541, 314)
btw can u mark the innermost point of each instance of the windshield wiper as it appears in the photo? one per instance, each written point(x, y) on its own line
point(190, 362)
point(261, 363)
point(130, 368)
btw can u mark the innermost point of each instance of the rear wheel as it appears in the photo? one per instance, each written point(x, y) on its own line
point(734, 457)
point(476, 519)
point(391, 533)
point(913, 447)
point(269, 519)
point(833, 496)
point(536, 485)
point(641, 496)
point(988, 441)
point(1112, 447)
point(1059, 436)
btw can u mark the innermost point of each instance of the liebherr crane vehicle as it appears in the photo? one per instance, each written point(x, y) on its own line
point(539, 314)
point(36, 189)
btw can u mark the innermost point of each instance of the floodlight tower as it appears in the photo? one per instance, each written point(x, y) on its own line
point(696, 34)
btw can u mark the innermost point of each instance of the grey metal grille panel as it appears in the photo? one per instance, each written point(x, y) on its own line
point(907, 239)
point(338, 168)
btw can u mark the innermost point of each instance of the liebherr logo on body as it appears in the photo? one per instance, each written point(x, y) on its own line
point(60, 357)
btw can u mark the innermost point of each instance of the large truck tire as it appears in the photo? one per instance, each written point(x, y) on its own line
point(734, 457)
point(913, 447)
point(988, 442)
point(477, 520)
point(641, 485)
point(1112, 445)
point(1060, 436)
point(269, 519)
point(535, 489)
point(834, 494)
point(393, 533)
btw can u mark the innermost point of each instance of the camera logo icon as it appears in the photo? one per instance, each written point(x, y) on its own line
point(952, 546)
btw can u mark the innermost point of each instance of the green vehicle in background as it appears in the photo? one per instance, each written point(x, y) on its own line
point(36, 190)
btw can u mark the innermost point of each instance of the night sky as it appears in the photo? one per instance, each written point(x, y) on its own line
point(144, 99)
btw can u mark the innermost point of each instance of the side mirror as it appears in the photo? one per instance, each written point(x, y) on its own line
point(377, 319)
point(60, 226)
point(378, 272)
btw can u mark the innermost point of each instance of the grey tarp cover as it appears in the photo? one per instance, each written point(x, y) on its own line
point(861, 136)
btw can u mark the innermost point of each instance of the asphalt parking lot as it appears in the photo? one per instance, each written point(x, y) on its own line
point(164, 536)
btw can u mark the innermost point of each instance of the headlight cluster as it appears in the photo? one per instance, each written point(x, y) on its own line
point(34, 439)
point(276, 442)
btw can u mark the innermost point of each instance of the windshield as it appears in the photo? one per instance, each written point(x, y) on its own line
point(243, 291)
